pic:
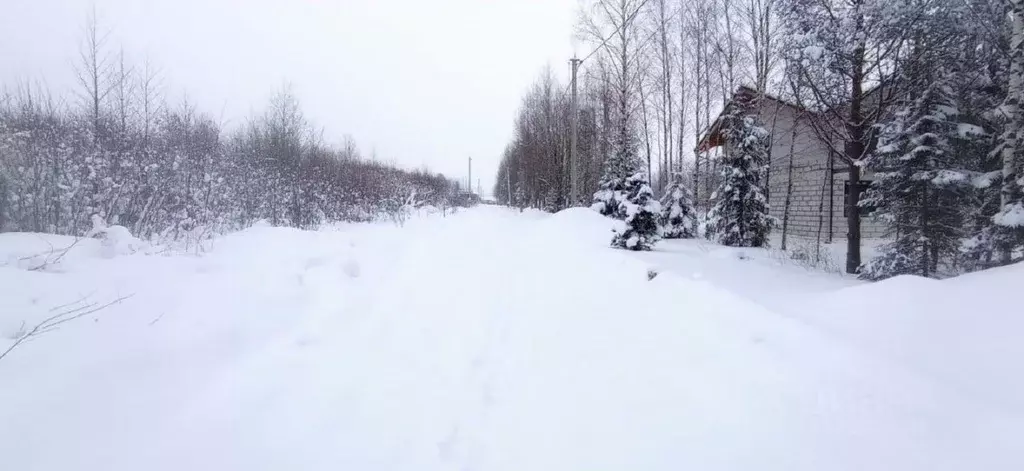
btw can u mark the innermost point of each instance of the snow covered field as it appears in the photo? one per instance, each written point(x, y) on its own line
point(494, 340)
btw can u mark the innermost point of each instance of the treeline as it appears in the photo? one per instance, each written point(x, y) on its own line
point(123, 153)
point(923, 98)
point(535, 167)
point(534, 170)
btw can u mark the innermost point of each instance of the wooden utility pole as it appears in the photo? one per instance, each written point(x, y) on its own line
point(469, 181)
point(573, 137)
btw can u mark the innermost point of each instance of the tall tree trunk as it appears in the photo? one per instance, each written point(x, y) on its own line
point(698, 124)
point(853, 216)
point(666, 86)
point(682, 95)
point(625, 135)
point(647, 133)
point(1013, 150)
point(1013, 103)
point(825, 186)
point(710, 166)
point(855, 148)
point(789, 183)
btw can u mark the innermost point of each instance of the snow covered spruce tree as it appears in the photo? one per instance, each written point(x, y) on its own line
point(677, 214)
point(964, 44)
point(920, 186)
point(739, 216)
point(641, 213)
point(612, 189)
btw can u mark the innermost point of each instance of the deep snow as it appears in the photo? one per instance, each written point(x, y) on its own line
point(498, 340)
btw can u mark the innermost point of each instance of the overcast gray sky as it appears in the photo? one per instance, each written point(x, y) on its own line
point(421, 82)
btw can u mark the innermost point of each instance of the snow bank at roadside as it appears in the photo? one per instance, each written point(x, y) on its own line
point(49, 252)
point(964, 331)
point(55, 253)
point(580, 226)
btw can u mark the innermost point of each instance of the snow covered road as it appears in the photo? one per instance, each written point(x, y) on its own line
point(489, 340)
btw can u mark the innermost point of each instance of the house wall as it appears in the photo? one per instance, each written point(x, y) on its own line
point(794, 143)
point(818, 190)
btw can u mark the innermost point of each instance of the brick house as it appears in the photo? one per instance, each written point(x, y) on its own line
point(807, 185)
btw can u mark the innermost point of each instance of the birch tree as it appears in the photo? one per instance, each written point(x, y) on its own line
point(1010, 219)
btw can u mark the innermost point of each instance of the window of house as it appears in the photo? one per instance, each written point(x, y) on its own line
point(862, 187)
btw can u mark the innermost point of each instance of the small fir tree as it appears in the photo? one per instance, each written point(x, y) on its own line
point(641, 212)
point(519, 198)
point(613, 187)
point(739, 216)
point(677, 214)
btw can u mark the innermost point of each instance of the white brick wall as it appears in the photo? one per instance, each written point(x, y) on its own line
point(795, 143)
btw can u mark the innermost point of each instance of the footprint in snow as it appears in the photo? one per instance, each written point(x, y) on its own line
point(446, 447)
point(351, 268)
point(315, 262)
point(305, 340)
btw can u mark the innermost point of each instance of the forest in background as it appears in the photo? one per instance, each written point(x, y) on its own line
point(118, 149)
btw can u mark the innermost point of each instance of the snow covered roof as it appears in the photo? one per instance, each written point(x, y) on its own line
point(750, 97)
point(746, 95)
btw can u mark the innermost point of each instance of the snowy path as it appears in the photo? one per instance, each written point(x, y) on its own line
point(485, 341)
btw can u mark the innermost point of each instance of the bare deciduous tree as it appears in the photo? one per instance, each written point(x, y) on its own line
point(94, 69)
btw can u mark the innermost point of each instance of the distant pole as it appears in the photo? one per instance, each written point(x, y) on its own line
point(469, 182)
point(573, 136)
point(479, 187)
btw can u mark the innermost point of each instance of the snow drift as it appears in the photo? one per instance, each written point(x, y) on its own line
point(963, 331)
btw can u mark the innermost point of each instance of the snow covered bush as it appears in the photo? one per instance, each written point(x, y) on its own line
point(610, 194)
point(641, 212)
point(891, 263)
point(739, 215)
point(809, 255)
point(1001, 238)
point(400, 213)
point(999, 242)
point(677, 214)
point(114, 240)
point(607, 198)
